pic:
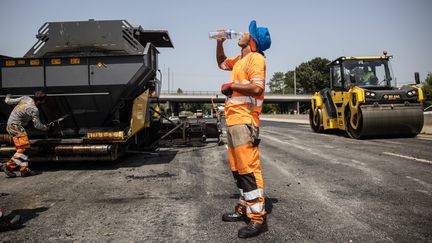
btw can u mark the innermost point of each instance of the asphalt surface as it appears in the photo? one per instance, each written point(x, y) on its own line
point(319, 188)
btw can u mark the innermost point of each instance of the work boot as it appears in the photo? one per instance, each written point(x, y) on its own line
point(27, 172)
point(7, 172)
point(252, 229)
point(236, 216)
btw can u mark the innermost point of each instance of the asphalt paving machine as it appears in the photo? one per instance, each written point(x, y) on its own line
point(363, 100)
point(100, 78)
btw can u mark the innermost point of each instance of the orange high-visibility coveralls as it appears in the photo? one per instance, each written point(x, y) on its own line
point(242, 121)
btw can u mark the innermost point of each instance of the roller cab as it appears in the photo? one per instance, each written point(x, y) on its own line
point(364, 100)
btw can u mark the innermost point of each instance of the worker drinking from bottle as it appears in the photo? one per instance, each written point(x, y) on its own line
point(244, 99)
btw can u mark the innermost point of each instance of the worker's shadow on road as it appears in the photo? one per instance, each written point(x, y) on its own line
point(127, 161)
point(269, 204)
point(25, 216)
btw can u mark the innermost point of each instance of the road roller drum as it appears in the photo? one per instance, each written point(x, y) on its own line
point(388, 120)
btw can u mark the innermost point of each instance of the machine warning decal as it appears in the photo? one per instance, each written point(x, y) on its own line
point(10, 63)
point(392, 97)
point(34, 62)
point(56, 61)
point(74, 61)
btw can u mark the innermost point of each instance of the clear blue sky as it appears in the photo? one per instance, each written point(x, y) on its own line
point(300, 30)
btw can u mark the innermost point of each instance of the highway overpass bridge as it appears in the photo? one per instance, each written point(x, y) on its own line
point(286, 102)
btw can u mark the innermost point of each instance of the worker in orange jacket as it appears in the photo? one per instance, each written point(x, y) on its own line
point(243, 105)
point(25, 111)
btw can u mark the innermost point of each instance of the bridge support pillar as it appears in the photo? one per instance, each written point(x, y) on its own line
point(175, 108)
point(172, 108)
point(168, 109)
point(283, 108)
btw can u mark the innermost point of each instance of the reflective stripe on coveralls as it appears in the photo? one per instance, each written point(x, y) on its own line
point(245, 100)
point(21, 156)
point(253, 105)
point(253, 194)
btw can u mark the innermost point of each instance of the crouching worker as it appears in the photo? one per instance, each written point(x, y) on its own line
point(25, 111)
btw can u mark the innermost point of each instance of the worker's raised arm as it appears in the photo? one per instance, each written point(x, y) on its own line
point(220, 53)
point(11, 101)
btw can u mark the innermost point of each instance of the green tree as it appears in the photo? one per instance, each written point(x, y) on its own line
point(289, 83)
point(427, 89)
point(277, 83)
point(311, 76)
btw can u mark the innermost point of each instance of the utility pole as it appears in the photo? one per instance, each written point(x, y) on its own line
point(295, 91)
point(283, 84)
point(295, 81)
point(168, 80)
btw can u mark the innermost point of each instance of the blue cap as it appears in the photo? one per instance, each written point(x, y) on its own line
point(261, 35)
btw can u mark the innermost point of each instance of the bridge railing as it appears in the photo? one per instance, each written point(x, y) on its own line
point(214, 93)
point(165, 92)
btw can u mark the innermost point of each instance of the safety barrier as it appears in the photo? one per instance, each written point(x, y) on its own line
point(427, 127)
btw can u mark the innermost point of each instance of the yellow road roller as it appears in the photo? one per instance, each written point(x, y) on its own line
point(364, 100)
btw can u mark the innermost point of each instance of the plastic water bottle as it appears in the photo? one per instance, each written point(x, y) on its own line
point(228, 34)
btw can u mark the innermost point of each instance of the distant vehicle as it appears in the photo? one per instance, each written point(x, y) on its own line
point(199, 114)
